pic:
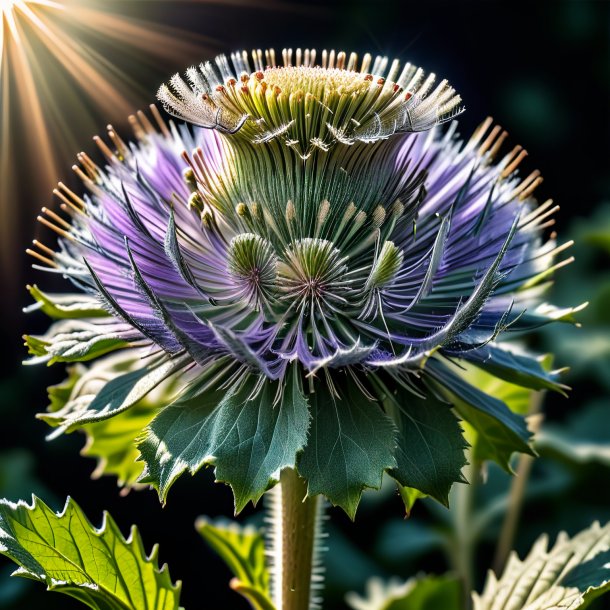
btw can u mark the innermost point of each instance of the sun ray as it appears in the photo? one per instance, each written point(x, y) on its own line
point(57, 81)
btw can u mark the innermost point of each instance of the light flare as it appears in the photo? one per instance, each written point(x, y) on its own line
point(58, 78)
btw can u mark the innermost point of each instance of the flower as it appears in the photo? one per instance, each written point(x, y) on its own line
point(310, 272)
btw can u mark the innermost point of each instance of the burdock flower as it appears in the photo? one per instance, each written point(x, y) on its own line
point(309, 272)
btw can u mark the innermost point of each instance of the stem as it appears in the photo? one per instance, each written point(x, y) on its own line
point(517, 493)
point(295, 531)
point(509, 527)
point(462, 556)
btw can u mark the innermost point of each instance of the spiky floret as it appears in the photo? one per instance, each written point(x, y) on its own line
point(310, 303)
point(306, 103)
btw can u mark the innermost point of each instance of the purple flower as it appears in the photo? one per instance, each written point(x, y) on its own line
point(312, 271)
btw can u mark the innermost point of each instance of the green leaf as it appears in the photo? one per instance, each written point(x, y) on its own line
point(518, 369)
point(60, 394)
point(248, 440)
point(75, 341)
point(424, 593)
point(351, 443)
point(582, 439)
point(409, 497)
point(568, 576)
point(113, 443)
point(70, 306)
point(99, 567)
point(117, 395)
point(517, 398)
point(430, 451)
point(500, 432)
point(243, 550)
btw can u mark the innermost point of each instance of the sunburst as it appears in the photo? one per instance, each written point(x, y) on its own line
point(63, 66)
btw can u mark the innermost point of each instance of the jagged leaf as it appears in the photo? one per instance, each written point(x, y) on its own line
point(243, 550)
point(425, 593)
point(351, 443)
point(430, 451)
point(567, 576)
point(500, 432)
point(248, 439)
point(99, 567)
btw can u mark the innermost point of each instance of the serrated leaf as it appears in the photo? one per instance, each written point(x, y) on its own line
point(243, 550)
point(568, 576)
point(99, 567)
point(247, 439)
point(430, 451)
point(351, 443)
point(117, 395)
point(424, 593)
point(500, 432)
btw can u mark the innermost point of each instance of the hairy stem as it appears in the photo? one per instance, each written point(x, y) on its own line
point(294, 539)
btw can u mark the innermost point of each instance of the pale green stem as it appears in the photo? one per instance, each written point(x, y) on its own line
point(294, 543)
point(511, 520)
point(517, 493)
point(462, 551)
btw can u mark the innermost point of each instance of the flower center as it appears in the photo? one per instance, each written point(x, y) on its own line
point(308, 105)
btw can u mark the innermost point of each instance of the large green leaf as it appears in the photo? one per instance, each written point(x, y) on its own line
point(567, 576)
point(425, 593)
point(500, 431)
point(248, 440)
point(99, 567)
point(243, 550)
point(430, 451)
point(351, 443)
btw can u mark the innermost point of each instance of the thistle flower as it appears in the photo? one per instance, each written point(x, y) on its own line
point(310, 266)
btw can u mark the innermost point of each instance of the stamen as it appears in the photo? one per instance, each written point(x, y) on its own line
point(67, 201)
point(136, 127)
point(41, 258)
point(145, 122)
point(529, 190)
point(56, 217)
point(159, 119)
point(104, 148)
point(117, 141)
point(78, 200)
point(53, 227)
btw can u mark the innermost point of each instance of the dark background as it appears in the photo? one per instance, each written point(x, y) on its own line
point(542, 69)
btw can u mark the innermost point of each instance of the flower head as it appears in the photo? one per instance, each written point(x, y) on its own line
point(310, 272)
